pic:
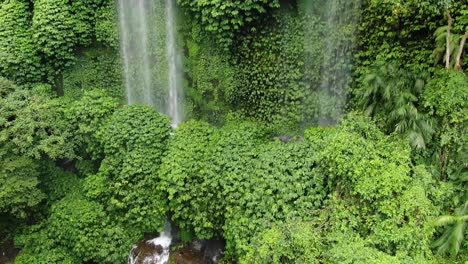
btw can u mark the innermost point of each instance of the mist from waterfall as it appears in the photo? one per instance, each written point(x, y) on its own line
point(330, 40)
point(151, 59)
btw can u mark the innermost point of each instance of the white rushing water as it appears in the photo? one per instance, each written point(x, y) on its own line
point(163, 242)
point(151, 58)
point(174, 109)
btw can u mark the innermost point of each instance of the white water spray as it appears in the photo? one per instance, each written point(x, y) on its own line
point(175, 91)
point(163, 242)
point(151, 61)
point(330, 36)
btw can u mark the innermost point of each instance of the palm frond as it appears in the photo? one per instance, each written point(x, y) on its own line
point(446, 220)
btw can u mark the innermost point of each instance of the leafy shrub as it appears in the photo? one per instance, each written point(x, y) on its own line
point(76, 231)
point(391, 95)
point(53, 25)
point(255, 182)
point(19, 192)
point(378, 194)
point(94, 68)
point(85, 116)
point(105, 26)
point(446, 98)
point(19, 58)
point(292, 242)
point(33, 124)
point(134, 141)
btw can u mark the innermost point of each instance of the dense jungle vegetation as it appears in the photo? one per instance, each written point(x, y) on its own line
point(84, 176)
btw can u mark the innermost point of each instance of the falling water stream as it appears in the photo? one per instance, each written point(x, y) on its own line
point(331, 36)
point(152, 67)
point(174, 109)
point(151, 58)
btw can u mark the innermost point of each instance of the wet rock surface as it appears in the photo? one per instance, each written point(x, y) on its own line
point(144, 251)
point(198, 252)
point(187, 255)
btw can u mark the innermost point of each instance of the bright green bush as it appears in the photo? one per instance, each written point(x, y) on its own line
point(292, 242)
point(19, 192)
point(254, 182)
point(446, 99)
point(134, 140)
point(187, 180)
point(105, 26)
point(390, 94)
point(54, 34)
point(378, 194)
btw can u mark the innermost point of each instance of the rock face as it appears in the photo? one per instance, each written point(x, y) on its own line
point(144, 250)
point(198, 252)
point(146, 253)
point(187, 255)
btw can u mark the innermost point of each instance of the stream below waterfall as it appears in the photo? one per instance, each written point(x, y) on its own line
point(168, 248)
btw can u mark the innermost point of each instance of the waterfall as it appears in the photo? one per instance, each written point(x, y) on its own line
point(330, 37)
point(151, 62)
point(175, 91)
point(155, 251)
point(152, 75)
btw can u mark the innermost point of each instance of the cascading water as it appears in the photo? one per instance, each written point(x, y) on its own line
point(152, 74)
point(174, 109)
point(155, 251)
point(330, 37)
point(151, 60)
point(133, 21)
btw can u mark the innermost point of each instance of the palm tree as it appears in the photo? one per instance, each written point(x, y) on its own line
point(391, 94)
point(453, 236)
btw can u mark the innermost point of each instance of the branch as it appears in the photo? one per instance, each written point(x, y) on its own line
point(447, 39)
point(460, 51)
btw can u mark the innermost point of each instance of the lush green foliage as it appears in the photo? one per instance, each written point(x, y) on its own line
point(32, 123)
point(211, 76)
point(391, 94)
point(95, 68)
point(446, 98)
point(84, 116)
point(286, 243)
point(115, 206)
point(77, 230)
point(398, 31)
point(84, 178)
point(225, 18)
point(134, 140)
point(19, 191)
point(269, 71)
point(19, 58)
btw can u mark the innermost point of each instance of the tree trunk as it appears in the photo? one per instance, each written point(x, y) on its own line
point(447, 44)
point(460, 51)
